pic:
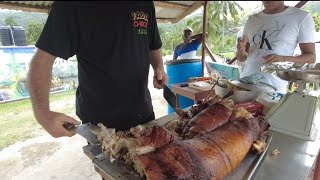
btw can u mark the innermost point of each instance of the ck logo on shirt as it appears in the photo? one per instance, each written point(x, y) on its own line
point(140, 21)
point(262, 39)
point(266, 39)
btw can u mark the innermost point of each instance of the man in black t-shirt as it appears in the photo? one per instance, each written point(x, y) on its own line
point(115, 43)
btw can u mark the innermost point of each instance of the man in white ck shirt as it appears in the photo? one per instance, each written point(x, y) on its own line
point(271, 36)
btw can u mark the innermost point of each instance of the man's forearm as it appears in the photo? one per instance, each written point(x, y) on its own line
point(303, 58)
point(39, 81)
point(197, 36)
point(160, 76)
point(156, 59)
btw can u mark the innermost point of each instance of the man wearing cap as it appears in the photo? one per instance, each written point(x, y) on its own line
point(189, 47)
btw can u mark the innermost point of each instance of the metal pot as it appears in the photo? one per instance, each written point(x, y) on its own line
point(289, 75)
point(308, 76)
point(260, 86)
point(244, 96)
point(312, 76)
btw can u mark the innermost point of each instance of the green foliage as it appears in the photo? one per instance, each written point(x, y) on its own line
point(22, 18)
point(32, 22)
point(222, 16)
point(245, 13)
point(171, 36)
point(229, 55)
point(316, 18)
point(10, 21)
point(313, 7)
point(33, 31)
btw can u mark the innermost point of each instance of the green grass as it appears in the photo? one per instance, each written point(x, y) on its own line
point(228, 55)
point(17, 122)
point(18, 106)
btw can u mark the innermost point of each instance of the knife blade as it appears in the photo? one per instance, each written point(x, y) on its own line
point(171, 98)
point(85, 130)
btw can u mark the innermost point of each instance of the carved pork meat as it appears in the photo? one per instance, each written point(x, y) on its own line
point(138, 140)
point(211, 156)
point(209, 119)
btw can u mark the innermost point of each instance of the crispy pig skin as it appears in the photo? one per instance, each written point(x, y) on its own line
point(158, 136)
point(211, 156)
point(207, 120)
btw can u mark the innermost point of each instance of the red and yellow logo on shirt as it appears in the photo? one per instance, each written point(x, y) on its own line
point(140, 21)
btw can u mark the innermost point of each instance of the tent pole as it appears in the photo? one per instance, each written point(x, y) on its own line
point(204, 30)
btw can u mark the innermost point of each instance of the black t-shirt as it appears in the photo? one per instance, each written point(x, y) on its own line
point(112, 41)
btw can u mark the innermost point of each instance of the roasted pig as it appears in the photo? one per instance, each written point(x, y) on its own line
point(254, 107)
point(209, 119)
point(211, 156)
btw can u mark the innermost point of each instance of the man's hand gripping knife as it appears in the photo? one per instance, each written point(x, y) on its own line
point(39, 81)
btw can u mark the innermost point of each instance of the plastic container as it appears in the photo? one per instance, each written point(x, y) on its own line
point(19, 36)
point(6, 36)
point(179, 71)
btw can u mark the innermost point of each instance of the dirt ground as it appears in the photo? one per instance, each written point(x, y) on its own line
point(47, 158)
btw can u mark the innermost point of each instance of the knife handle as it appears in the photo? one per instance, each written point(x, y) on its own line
point(68, 126)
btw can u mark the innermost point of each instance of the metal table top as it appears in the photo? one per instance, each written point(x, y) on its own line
point(295, 160)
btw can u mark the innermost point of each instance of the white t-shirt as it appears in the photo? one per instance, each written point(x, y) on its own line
point(276, 34)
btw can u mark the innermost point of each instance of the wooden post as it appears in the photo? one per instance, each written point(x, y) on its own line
point(232, 60)
point(210, 53)
point(300, 4)
point(204, 30)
